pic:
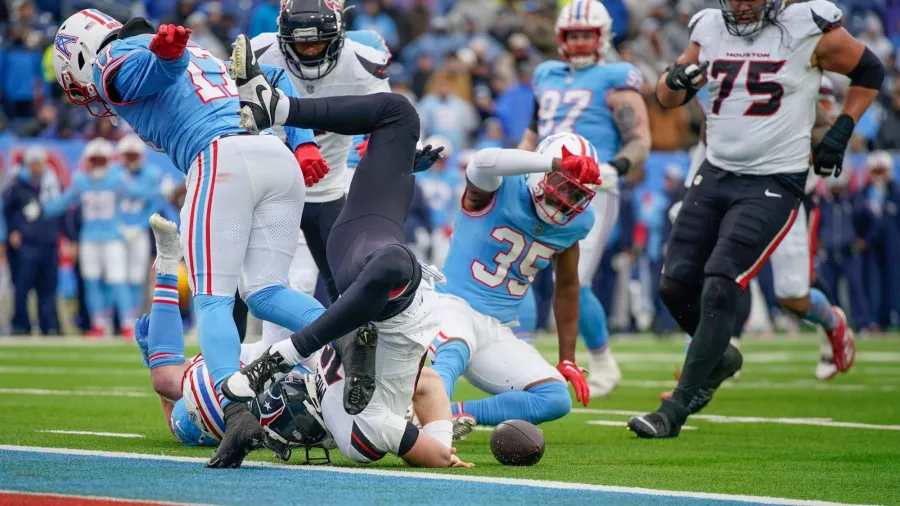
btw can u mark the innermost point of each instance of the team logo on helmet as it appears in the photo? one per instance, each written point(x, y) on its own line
point(334, 4)
point(62, 43)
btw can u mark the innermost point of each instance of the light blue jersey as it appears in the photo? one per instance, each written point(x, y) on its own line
point(178, 106)
point(141, 195)
point(99, 199)
point(496, 252)
point(575, 101)
point(442, 189)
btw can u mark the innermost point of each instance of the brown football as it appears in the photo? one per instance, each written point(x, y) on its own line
point(517, 443)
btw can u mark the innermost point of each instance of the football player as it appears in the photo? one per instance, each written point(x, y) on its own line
point(99, 190)
point(142, 181)
point(387, 299)
point(602, 102)
point(763, 61)
point(521, 211)
point(244, 193)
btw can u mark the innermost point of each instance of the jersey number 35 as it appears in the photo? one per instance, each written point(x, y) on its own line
point(506, 259)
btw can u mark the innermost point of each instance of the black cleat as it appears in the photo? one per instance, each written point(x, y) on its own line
point(730, 364)
point(257, 96)
point(653, 425)
point(255, 377)
point(243, 434)
point(357, 351)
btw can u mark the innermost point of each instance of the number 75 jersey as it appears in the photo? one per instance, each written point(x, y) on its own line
point(762, 91)
point(496, 252)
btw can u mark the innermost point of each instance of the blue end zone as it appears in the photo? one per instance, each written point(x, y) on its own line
point(154, 479)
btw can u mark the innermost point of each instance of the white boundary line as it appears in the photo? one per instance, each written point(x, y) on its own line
point(818, 422)
point(89, 433)
point(444, 477)
point(100, 498)
point(79, 393)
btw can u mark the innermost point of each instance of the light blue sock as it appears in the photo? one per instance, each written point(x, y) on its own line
point(820, 310)
point(543, 403)
point(527, 318)
point(137, 297)
point(165, 340)
point(592, 320)
point(450, 361)
point(122, 303)
point(219, 340)
point(282, 306)
point(95, 300)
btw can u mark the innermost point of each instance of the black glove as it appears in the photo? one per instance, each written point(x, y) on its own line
point(828, 155)
point(686, 76)
point(426, 157)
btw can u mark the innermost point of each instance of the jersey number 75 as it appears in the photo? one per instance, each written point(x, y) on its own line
point(506, 259)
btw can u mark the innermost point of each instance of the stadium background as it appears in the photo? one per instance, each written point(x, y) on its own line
point(467, 64)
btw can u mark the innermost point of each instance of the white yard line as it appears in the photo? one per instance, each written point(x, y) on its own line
point(818, 422)
point(89, 433)
point(79, 393)
point(772, 385)
point(616, 423)
point(72, 371)
point(445, 477)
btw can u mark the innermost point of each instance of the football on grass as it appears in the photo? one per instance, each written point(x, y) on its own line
point(517, 443)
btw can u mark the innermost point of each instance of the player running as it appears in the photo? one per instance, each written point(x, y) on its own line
point(602, 102)
point(764, 62)
point(244, 193)
point(520, 212)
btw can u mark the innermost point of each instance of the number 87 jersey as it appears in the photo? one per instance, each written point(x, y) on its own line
point(496, 252)
point(762, 90)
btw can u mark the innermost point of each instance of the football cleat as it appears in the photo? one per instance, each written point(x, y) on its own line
point(243, 434)
point(728, 367)
point(463, 425)
point(357, 352)
point(825, 369)
point(255, 377)
point(843, 348)
point(168, 245)
point(257, 96)
point(605, 374)
point(653, 426)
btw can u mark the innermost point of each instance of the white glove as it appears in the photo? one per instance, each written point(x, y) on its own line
point(32, 211)
point(609, 177)
point(674, 210)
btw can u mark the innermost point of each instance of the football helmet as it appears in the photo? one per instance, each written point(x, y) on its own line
point(132, 149)
point(559, 197)
point(311, 21)
point(579, 16)
point(78, 41)
point(745, 19)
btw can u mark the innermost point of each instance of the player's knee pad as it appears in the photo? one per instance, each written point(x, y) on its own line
point(391, 266)
point(550, 401)
point(720, 294)
point(675, 293)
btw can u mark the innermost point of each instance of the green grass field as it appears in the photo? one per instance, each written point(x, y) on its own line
point(778, 432)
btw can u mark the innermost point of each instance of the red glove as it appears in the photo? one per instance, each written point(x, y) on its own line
point(575, 376)
point(583, 168)
point(170, 41)
point(311, 163)
point(361, 148)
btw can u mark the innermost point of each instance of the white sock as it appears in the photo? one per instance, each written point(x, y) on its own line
point(442, 430)
point(282, 109)
point(288, 351)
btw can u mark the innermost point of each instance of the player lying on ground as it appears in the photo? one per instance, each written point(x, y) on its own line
point(745, 196)
point(520, 212)
point(244, 193)
point(294, 411)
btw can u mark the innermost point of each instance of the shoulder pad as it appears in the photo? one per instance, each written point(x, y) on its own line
point(263, 44)
point(812, 18)
point(624, 75)
point(702, 22)
point(546, 67)
point(373, 60)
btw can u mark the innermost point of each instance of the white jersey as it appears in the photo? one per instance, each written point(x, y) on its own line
point(762, 89)
point(360, 70)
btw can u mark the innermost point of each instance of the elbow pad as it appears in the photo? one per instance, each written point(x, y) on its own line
point(869, 72)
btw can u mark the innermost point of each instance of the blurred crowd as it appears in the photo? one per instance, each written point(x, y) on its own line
point(467, 65)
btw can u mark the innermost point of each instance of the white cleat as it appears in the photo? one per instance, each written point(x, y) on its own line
point(168, 245)
point(463, 425)
point(605, 374)
point(825, 368)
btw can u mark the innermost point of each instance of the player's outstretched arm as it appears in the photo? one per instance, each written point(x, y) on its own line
point(143, 72)
point(678, 85)
point(565, 310)
point(633, 122)
point(485, 172)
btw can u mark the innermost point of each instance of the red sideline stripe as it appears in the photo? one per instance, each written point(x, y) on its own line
point(745, 278)
point(37, 499)
point(209, 201)
point(174, 302)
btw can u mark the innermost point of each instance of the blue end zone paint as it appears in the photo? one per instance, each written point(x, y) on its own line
point(164, 480)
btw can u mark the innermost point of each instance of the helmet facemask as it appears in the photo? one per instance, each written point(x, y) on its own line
point(310, 27)
point(559, 198)
point(581, 53)
point(749, 18)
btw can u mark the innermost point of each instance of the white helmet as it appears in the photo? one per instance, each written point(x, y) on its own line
point(132, 144)
point(99, 148)
point(35, 154)
point(559, 198)
point(583, 15)
point(77, 44)
point(202, 402)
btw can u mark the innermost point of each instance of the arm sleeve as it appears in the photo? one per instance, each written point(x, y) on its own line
point(278, 77)
point(138, 74)
point(489, 166)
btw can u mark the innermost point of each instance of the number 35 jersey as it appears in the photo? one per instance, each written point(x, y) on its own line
point(762, 90)
point(496, 252)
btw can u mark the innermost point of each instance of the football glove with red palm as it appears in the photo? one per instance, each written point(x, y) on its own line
point(575, 376)
point(582, 168)
point(170, 41)
point(312, 165)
